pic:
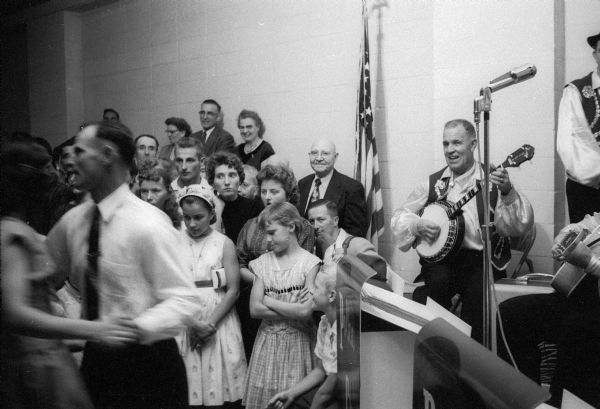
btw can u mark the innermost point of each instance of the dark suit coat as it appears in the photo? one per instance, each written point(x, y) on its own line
point(165, 152)
point(219, 140)
point(348, 194)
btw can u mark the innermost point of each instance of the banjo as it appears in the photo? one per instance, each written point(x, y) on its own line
point(572, 251)
point(448, 215)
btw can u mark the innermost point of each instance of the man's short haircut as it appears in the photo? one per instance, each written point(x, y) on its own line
point(179, 123)
point(147, 136)
point(464, 123)
point(283, 175)
point(189, 142)
point(224, 158)
point(212, 101)
point(113, 111)
point(332, 207)
point(256, 118)
point(120, 135)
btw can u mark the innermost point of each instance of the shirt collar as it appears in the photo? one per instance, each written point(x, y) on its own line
point(208, 132)
point(595, 79)
point(339, 241)
point(109, 205)
point(324, 180)
point(468, 174)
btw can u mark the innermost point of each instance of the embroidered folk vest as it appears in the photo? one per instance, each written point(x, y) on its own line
point(590, 102)
point(438, 188)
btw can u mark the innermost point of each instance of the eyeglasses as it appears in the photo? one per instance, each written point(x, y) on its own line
point(317, 153)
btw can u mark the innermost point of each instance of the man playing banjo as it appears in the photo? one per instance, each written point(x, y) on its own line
point(462, 272)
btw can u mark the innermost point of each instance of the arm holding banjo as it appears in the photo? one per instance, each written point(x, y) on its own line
point(407, 225)
point(513, 215)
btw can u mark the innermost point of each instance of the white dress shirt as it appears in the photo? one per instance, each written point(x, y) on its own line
point(326, 347)
point(322, 188)
point(330, 252)
point(513, 215)
point(208, 133)
point(577, 147)
point(140, 271)
point(176, 188)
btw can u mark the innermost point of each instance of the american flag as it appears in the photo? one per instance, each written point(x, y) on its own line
point(367, 162)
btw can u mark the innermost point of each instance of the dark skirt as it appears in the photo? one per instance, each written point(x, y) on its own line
point(135, 376)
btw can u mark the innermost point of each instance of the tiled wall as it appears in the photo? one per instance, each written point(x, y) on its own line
point(296, 63)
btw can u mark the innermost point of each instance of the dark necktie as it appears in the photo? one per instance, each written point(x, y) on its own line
point(203, 137)
point(91, 278)
point(316, 194)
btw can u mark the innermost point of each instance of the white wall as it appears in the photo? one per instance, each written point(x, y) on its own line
point(293, 62)
point(296, 63)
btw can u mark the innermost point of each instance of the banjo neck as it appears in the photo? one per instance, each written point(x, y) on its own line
point(524, 153)
point(455, 208)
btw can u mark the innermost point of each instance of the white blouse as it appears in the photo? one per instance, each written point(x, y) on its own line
point(577, 147)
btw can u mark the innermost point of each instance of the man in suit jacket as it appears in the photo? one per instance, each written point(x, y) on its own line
point(327, 183)
point(212, 137)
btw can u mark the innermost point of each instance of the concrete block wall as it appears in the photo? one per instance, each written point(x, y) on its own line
point(296, 63)
point(490, 41)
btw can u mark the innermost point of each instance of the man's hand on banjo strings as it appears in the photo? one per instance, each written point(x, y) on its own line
point(426, 230)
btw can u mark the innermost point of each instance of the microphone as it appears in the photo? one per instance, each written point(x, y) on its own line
point(514, 76)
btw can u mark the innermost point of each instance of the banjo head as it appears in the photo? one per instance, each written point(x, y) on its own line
point(449, 236)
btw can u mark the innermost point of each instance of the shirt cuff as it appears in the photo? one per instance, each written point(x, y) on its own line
point(413, 227)
point(510, 197)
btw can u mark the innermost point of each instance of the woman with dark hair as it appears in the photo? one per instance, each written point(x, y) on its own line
point(225, 173)
point(254, 150)
point(277, 184)
point(37, 369)
point(155, 188)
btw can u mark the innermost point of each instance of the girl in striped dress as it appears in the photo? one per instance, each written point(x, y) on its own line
point(282, 353)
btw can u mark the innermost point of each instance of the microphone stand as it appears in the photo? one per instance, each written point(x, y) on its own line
point(484, 104)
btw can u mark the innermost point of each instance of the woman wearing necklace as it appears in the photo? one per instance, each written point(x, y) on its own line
point(254, 150)
point(213, 352)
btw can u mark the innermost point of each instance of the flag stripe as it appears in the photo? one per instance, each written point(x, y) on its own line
point(367, 162)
